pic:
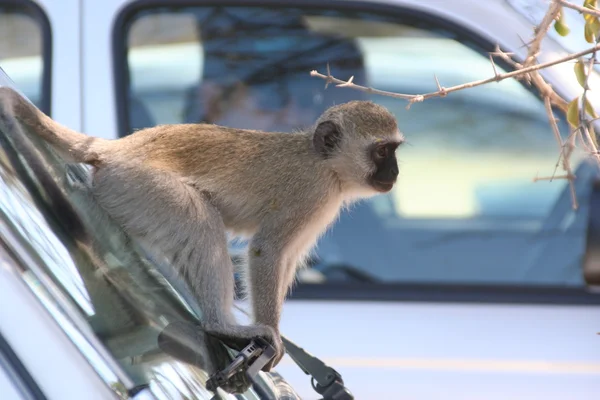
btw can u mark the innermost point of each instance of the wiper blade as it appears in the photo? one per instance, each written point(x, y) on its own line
point(325, 380)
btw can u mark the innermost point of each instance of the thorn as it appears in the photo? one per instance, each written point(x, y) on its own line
point(525, 44)
point(437, 82)
point(440, 89)
point(498, 52)
point(493, 66)
point(329, 77)
point(348, 83)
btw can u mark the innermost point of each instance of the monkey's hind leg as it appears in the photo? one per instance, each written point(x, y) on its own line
point(178, 220)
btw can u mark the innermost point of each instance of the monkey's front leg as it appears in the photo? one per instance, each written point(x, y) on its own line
point(271, 264)
point(177, 220)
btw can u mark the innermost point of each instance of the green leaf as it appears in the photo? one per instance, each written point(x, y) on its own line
point(573, 112)
point(580, 73)
point(588, 32)
point(589, 109)
point(592, 19)
point(595, 24)
point(560, 25)
point(591, 4)
point(589, 17)
point(561, 28)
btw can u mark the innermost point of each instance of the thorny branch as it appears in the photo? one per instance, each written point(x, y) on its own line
point(550, 97)
point(533, 50)
point(529, 71)
point(414, 98)
point(540, 32)
point(565, 150)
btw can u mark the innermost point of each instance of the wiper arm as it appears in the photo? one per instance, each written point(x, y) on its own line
point(325, 380)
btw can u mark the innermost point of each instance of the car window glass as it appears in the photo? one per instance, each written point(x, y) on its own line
point(24, 50)
point(465, 209)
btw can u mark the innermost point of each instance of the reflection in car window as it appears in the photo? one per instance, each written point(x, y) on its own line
point(465, 209)
point(125, 297)
point(24, 50)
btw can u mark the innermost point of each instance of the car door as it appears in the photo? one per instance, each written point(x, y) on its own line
point(467, 280)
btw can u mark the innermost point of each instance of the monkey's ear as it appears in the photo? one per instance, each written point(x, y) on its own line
point(326, 138)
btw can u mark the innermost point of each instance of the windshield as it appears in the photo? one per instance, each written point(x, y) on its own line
point(77, 254)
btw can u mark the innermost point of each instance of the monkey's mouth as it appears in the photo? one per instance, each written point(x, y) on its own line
point(383, 187)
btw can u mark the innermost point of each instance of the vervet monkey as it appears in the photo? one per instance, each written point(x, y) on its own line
point(180, 187)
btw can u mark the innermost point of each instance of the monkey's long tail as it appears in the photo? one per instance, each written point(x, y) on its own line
point(16, 110)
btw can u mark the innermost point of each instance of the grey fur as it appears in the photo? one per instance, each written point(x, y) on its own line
point(180, 187)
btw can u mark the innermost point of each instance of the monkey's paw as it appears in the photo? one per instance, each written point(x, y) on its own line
point(239, 336)
point(187, 342)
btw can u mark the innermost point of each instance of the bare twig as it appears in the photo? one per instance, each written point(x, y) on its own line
point(564, 150)
point(414, 98)
point(582, 10)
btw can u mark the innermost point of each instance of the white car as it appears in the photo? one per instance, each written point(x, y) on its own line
point(467, 281)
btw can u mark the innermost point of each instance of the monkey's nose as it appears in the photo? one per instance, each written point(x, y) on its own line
point(394, 171)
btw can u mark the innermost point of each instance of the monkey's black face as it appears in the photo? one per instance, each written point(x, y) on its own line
point(384, 157)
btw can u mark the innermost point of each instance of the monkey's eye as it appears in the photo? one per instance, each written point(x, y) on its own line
point(381, 152)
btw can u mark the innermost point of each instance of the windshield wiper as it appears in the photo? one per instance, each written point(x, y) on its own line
point(325, 380)
point(251, 359)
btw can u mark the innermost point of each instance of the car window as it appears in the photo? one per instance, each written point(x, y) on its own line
point(25, 49)
point(465, 209)
point(95, 280)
